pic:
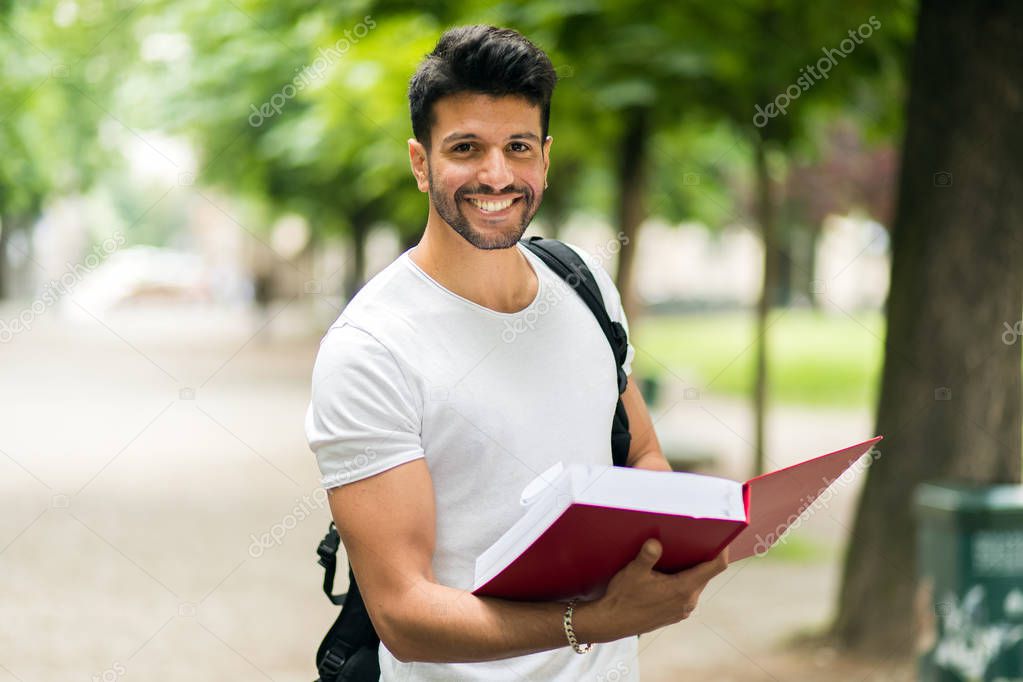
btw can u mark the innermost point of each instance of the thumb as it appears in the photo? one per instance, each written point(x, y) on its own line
point(649, 553)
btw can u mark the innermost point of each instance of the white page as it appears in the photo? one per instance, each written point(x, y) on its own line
point(677, 493)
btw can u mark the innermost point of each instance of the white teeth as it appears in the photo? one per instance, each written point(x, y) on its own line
point(492, 205)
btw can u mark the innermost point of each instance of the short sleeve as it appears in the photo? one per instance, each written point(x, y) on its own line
point(612, 299)
point(363, 417)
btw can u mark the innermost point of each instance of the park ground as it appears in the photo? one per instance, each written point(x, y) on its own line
point(141, 455)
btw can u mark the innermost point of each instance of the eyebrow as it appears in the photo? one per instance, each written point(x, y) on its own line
point(472, 136)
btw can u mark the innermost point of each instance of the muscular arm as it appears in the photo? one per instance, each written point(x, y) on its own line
point(390, 545)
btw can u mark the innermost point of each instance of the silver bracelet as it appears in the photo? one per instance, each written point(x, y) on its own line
point(570, 633)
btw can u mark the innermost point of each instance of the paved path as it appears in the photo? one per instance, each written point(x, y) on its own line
point(141, 455)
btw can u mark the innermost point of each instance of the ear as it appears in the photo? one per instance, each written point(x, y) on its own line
point(417, 157)
point(546, 157)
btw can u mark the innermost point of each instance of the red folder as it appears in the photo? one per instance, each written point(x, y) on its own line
point(586, 543)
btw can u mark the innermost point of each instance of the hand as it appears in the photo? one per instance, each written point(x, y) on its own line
point(639, 599)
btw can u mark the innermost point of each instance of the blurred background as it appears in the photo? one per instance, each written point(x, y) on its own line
point(190, 191)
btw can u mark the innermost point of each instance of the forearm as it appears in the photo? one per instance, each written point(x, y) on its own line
point(442, 624)
point(653, 460)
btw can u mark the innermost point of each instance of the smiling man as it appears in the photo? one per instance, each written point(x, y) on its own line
point(484, 126)
point(427, 420)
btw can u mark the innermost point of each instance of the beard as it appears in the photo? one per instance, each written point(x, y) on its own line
point(450, 209)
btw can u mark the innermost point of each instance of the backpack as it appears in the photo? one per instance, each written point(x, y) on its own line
point(348, 653)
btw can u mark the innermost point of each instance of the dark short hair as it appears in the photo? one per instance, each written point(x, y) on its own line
point(480, 59)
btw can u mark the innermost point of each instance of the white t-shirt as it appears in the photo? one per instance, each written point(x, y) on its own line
point(491, 400)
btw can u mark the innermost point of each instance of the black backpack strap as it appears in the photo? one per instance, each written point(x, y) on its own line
point(327, 552)
point(352, 642)
point(564, 261)
point(568, 265)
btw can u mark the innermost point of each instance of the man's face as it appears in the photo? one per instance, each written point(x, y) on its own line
point(486, 168)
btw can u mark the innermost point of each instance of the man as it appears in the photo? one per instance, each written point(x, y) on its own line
point(428, 417)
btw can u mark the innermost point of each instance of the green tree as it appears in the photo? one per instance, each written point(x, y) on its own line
point(772, 96)
point(651, 71)
point(950, 394)
point(58, 73)
point(301, 107)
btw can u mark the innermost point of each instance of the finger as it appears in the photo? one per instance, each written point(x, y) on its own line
point(722, 561)
point(718, 563)
point(648, 555)
point(701, 573)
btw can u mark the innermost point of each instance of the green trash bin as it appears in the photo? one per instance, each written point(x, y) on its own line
point(970, 565)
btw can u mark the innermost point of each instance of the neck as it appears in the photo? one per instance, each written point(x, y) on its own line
point(499, 279)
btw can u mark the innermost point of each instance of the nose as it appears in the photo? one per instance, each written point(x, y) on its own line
point(495, 171)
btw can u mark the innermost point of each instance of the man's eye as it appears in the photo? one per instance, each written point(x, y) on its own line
point(461, 147)
point(519, 147)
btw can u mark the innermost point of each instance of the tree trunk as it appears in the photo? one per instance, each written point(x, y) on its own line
point(810, 287)
point(6, 225)
point(11, 279)
point(632, 166)
point(784, 258)
point(950, 394)
point(768, 293)
point(355, 276)
point(555, 207)
point(798, 264)
point(557, 199)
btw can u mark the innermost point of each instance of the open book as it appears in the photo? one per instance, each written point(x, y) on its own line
point(584, 523)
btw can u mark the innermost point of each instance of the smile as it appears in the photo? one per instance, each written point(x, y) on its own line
point(492, 206)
